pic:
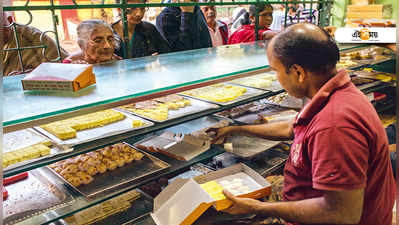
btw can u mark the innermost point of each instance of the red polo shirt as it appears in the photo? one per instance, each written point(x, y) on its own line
point(340, 144)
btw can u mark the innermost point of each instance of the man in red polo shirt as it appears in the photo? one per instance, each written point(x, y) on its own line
point(338, 171)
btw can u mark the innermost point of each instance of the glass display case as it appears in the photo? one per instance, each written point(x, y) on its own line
point(120, 83)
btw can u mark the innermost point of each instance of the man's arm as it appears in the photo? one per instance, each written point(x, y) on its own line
point(278, 131)
point(335, 207)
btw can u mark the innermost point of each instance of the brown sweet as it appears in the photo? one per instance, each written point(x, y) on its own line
point(75, 181)
point(91, 170)
point(120, 162)
point(128, 157)
point(101, 168)
point(138, 156)
point(72, 168)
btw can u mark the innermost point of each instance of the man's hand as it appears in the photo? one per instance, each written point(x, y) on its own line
point(269, 34)
point(241, 205)
point(189, 9)
point(220, 133)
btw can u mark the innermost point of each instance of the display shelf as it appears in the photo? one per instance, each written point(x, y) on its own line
point(117, 85)
point(82, 203)
point(131, 80)
point(87, 147)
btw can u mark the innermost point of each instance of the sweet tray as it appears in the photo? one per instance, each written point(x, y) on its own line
point(272, 114)
point(120, 177)
point(251, 92)
point(35, 195)
point(195, 107)
point(247, 147)
point(88, 135)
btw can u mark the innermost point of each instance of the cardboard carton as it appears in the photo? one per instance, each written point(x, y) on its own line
point(184, 200)
point(59, 77)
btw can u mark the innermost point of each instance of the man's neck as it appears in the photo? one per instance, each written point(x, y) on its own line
point(318, 81)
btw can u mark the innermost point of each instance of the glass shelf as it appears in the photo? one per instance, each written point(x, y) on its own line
point(90, 146)
point(129, 79)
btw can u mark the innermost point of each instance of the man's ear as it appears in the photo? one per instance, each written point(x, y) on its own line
point(299, 72)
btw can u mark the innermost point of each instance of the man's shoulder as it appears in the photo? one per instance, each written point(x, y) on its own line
point(347, 108)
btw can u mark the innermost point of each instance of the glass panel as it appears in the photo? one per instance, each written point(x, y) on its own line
point(132, 78)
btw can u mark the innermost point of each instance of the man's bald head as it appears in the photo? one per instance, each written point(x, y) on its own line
point(306, 45)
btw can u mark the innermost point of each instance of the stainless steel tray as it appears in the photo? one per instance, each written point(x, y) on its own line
point(111, 180)
point(88, 135)
point(195, 107)
point(251, 92)
point(278, 114)
point(35, 195)
point(247, 147)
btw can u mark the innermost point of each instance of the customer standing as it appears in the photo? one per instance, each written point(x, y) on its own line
point(184, 28)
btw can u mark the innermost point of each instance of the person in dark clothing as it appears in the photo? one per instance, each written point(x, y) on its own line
point(144, 38)
point(184, 28)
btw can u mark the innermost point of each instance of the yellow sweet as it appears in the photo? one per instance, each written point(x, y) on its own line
point(66, 129)
point(23, 154)
point(214, 189)
point(217, 93)
point(137, 123)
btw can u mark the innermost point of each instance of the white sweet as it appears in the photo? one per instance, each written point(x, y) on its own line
point(224, 183)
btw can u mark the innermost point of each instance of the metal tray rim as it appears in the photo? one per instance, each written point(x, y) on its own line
point(255, 92)
point(151, 157)
point(62, 144)
point(211, 106)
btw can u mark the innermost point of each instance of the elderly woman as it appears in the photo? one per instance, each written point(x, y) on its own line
point(97, 43)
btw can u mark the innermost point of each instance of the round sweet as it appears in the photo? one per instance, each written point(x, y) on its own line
point(91, 170)
point(75, 181)
point(120, 162)
point(67, 176)
point(115, 150)
point(84, 177)
point(101, 168)
point(95, 155)
point(58, 169)
point(111, 165)
point(93, 161)
point(138, 156)
point(73, 168)
point(128, 157)
point(107, 152)
point(126, 148)
point(83, 166)
point(115, 157)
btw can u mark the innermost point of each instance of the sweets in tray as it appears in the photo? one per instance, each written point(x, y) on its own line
point(158, 109)
point(24, 145)
point(257, 81)
point(66, 129)
point(346, 63)
point(82, 169)
point(217, 92)
point(104, 210)
point(243, 109)
point(373, 53)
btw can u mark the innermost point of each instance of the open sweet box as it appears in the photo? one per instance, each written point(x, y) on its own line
point(185, 200)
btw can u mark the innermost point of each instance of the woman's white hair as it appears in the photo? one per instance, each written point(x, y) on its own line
point(86, 28)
